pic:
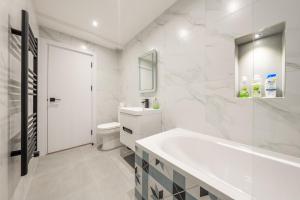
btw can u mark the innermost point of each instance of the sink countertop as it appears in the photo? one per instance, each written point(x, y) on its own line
point(139, 110)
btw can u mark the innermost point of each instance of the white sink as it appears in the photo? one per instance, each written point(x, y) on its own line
point(139, 110)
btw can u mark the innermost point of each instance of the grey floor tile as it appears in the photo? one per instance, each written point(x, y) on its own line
point(82, 173)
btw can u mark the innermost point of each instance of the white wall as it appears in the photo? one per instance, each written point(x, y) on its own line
point(195, 43)
point(10, 179)
point(195, 73)
point(106, 77)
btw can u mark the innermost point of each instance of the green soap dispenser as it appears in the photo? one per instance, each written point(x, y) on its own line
point(244, 88)
point(155, 104)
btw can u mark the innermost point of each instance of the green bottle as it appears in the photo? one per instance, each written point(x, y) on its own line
point(244, 88)
point(256, 86)
point(155, 104)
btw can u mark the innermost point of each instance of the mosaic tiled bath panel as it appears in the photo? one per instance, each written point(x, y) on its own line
point(156, 179)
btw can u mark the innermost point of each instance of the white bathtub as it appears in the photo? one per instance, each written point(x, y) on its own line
point(239, 171)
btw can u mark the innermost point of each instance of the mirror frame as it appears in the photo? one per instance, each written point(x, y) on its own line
point(154, 73)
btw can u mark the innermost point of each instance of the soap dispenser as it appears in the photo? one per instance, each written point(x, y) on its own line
point(155, 103)
point(244, 88)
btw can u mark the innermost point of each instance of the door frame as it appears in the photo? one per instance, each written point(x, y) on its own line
point(44, 45)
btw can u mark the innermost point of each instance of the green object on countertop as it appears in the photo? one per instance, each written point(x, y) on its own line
point(155, 104)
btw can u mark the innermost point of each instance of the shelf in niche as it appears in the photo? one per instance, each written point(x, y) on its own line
point(271, 98)
point(261, 53)
point(247, 98)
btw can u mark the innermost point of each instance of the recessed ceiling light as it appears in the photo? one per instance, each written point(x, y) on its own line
point(183, 34)
point(232, 6)
point(258, 35)
point(83, 47)
point(95, 23)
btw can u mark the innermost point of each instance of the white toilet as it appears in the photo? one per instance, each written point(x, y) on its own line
point(110, 134)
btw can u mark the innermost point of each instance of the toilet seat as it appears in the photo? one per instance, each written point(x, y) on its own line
point(106, 126)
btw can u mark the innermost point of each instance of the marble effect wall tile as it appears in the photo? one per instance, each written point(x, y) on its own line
point(195, 44)
point(194, 88)
point(276, 122)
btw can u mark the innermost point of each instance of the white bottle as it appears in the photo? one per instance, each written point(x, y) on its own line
point(270, 86)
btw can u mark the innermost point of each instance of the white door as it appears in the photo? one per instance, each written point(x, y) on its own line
point(69, 98)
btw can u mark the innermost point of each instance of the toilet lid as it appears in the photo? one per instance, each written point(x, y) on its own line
point(109, 125)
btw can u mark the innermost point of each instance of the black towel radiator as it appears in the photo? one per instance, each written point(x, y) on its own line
point(29, 87)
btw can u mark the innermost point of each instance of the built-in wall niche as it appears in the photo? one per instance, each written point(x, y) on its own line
point(260, 63)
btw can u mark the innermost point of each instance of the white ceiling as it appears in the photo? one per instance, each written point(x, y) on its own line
point(119, 20)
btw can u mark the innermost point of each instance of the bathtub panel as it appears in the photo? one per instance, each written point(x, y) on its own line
point(138, 179)
point(138, 152)
point(156, 179)
point(156, 190)
point(160, 166)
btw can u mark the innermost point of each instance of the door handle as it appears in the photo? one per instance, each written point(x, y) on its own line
point(53, 99)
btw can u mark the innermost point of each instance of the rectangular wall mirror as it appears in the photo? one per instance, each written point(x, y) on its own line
point(148, 72)
point(260, 63)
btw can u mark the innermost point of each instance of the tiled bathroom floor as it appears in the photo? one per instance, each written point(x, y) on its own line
point(83, 173)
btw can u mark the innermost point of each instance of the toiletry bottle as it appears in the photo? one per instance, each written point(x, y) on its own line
point(244, 88)
point(155, 103)
point(256, 86)
point(270, 86)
